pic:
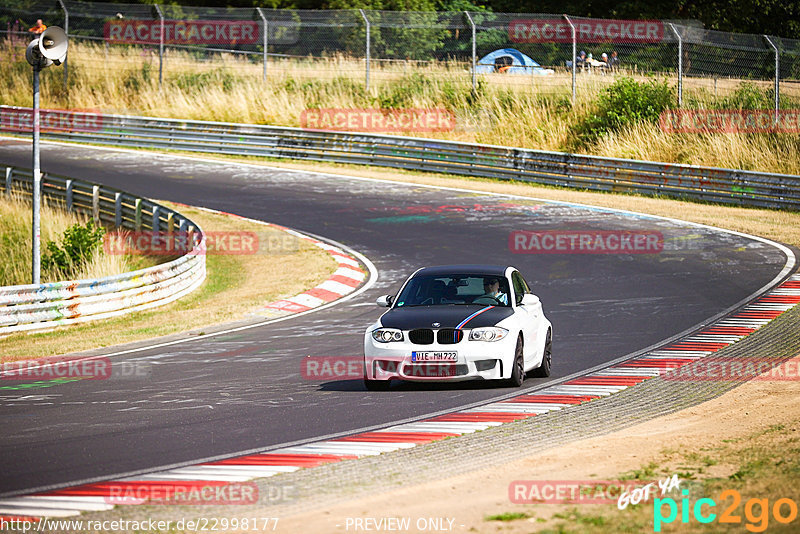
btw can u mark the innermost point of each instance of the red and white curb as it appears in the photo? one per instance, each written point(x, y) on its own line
point(346, 279)
point(100, 496)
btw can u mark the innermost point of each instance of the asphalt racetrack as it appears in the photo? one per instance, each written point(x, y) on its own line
point(243, 391)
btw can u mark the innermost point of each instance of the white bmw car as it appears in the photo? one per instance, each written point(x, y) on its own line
point(459, 322)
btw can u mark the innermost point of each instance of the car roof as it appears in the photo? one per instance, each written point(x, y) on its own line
point(496, 270)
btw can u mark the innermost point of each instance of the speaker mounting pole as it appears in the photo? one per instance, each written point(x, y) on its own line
point(50, 47)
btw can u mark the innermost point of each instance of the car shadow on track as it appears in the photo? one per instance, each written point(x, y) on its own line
point(397, 385)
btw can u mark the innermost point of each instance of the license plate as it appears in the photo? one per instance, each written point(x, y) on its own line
point(431, 356)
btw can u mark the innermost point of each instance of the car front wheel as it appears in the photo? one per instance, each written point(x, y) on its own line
point(518, 370)
point(543, 371)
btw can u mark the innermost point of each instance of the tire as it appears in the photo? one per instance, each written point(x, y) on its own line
point(377, 385)
point(543, 371)
point(518, 369)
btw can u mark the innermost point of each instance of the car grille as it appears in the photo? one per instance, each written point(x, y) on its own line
point(445, 336)
point(449, 336)
point(434, 370)
point(421, 336)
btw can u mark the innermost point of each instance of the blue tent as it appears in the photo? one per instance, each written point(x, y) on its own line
point(509, 61)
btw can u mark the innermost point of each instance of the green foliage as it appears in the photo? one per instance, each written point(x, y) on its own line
point(188, 81)
point(507, 516)
point(411, 32)
point(15, 242)
point(401, 95)
point(648, 472)
point(451, 95)
point(321, 93)
point(748, 96)
point(575, 515)
point(624, 103)
point(137, 80)
point(78, 245)
point(563, 105)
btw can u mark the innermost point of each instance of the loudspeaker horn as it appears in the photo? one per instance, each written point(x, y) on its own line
point(50, 47)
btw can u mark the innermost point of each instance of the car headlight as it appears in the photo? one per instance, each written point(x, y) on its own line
point(387, 335)
point(489, 333)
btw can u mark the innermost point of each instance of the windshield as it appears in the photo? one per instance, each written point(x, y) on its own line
point(454, 289)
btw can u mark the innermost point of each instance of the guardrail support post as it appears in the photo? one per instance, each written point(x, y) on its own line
point(96, 203)
point(777, 78)
point(366, 21)
point(474, 61)
point(265, 40)
point(117, 209)
point(137, 218)
point(9, 179)
point(170, 222)
point(70, 196)
point(680, 63)
point(155, 227)
point(574, 55)
point(160, 46)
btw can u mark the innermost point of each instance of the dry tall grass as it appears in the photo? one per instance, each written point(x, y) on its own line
point(15, 244)
point(531, 112)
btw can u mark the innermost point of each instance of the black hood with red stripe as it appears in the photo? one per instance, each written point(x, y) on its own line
point(447, 315)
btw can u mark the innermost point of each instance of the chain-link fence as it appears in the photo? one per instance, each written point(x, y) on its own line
point(556, 54)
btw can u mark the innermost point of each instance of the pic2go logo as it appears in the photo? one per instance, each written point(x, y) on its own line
point(756, 511)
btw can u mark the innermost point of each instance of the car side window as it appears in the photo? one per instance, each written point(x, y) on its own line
point(520, 287)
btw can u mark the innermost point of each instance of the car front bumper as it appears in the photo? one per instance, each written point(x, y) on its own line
point(488, 360)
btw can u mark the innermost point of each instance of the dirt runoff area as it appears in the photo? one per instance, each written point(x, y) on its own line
point(710, 442)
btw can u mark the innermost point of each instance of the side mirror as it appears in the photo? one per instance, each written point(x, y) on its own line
point(385, 301)
point(529, 299)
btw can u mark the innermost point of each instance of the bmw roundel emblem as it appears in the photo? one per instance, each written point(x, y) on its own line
point(436, 325)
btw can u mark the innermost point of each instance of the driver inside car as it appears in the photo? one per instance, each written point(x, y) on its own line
point(491, 288)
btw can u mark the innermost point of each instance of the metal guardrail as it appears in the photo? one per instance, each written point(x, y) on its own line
point(745, 188)
point(32, 307)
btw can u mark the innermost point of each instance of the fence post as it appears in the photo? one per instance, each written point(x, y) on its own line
point(474, 74)
point(66, 30)
point(366, 21)
point(574, 55)
point(9, 178)
point(777, 77)
point(680, 63)
point(265, 41)
point(160, 46)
